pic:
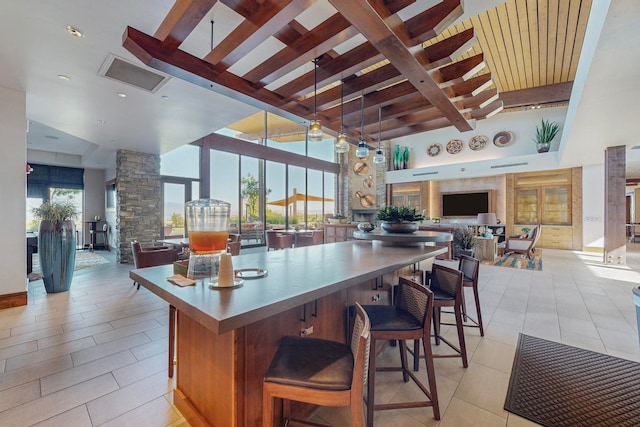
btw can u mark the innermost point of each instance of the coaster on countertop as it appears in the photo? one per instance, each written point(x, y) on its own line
point(180, 280)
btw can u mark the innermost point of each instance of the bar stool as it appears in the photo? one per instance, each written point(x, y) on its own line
point(319, 372)
point(446, 285)
point(469, 267)
point(408, 319)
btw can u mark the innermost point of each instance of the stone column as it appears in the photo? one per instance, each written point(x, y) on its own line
point(139, 190)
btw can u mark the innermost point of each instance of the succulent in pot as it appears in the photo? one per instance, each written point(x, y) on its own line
point(399, 219)
point(545, 134)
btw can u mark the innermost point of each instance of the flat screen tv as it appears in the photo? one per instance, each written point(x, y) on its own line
point(465, 204)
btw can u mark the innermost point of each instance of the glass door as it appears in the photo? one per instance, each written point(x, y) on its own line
point(174, 196)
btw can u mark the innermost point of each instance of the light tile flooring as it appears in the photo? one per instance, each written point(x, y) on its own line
point(97, 355)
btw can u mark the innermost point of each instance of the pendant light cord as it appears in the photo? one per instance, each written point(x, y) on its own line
point(362, 119)
point(379, 125)
point(341, 105)
point(315, 86)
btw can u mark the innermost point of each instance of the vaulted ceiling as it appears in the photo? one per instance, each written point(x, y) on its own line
point(412, 59)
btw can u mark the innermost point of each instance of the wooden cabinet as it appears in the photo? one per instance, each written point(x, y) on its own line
point(543, 199)
point(338, 232)
point(556, 237)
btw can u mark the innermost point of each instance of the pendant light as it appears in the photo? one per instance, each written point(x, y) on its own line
point(315, 130)
point(379, 157)
point(362, 152)
point(342, 146)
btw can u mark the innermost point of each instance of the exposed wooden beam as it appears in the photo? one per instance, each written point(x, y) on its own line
point(324, 37)
point(373, 27)
point(181, 20)
point(433, 21)
point(187, 67)
point(274, 14)
point(549, 94)
point(461, 70)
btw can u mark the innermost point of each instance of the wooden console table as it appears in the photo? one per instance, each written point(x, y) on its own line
point(226, 338)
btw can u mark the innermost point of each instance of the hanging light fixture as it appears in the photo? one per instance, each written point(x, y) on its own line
point(315, 130)
point(342, 146)
point(362, 151)
point(379, 156)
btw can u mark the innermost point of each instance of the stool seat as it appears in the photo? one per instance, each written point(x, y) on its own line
point(312, 363)
point(318, 372)
point(391, 318)
point(440, 295)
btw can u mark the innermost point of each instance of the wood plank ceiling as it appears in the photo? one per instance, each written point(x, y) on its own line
point(403, 58)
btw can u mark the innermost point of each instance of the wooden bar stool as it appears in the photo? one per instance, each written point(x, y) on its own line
point(408, 319)
point(469, 267)
point(319, 372)
point(446, 285)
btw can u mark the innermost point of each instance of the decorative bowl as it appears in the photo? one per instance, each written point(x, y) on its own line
point(399, 227)
point(366, 227)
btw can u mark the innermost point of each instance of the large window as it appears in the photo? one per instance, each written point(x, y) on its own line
point(269, 182)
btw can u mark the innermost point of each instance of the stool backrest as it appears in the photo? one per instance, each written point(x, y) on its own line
point(446, 280)
point(360, 348)
point(469, 267)
point(416, 300)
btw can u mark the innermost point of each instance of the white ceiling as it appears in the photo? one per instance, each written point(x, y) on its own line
point(85, 122)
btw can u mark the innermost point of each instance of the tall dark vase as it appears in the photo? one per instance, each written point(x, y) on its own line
point(57, 251)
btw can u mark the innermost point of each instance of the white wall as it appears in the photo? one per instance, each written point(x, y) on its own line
point(521, 124)
point(593, 207)
point(13, 211)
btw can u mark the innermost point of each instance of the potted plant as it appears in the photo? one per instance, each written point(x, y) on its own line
point(545, 134)
point(56, 244)
point(464, 240)
point(399, 219)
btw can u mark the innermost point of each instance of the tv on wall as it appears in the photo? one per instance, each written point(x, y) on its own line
point(466, 204)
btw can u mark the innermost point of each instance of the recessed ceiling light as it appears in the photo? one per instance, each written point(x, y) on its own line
point(101, 122)
point(63, 77)
point(73, 31)
point(165, 97)
point(122, 94)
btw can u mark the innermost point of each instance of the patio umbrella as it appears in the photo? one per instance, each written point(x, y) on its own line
point(298, 197)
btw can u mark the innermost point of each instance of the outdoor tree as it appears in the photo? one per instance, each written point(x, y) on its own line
point(251, 195)
point(177, 220)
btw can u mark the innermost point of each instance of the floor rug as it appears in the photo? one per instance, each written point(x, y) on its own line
point(519, 261)
point(557, 385)
point(84, 259)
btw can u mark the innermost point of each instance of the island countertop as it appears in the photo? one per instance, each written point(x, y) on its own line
point(295, 277)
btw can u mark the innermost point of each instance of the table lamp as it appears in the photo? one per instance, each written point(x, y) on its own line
point(487, 219)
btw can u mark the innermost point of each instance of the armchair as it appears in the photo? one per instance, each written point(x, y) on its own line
point(309, 238)
point(278, 240)
point(523, 245)
point(152, 256)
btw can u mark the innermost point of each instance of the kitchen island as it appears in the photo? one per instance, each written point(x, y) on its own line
point(227, 337)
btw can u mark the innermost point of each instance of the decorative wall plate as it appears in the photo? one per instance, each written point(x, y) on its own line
point(503, 139)
point(434, 149)
point(455, 146)
point(360, 168)
point(368, 182)
point(478, 142)
point(366, 200)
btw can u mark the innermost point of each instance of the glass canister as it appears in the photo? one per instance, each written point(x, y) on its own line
point(207, 223)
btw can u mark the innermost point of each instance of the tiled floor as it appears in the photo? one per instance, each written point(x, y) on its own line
point(96, 355)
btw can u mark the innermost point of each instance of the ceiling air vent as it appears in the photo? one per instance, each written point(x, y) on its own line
point(118, 69)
